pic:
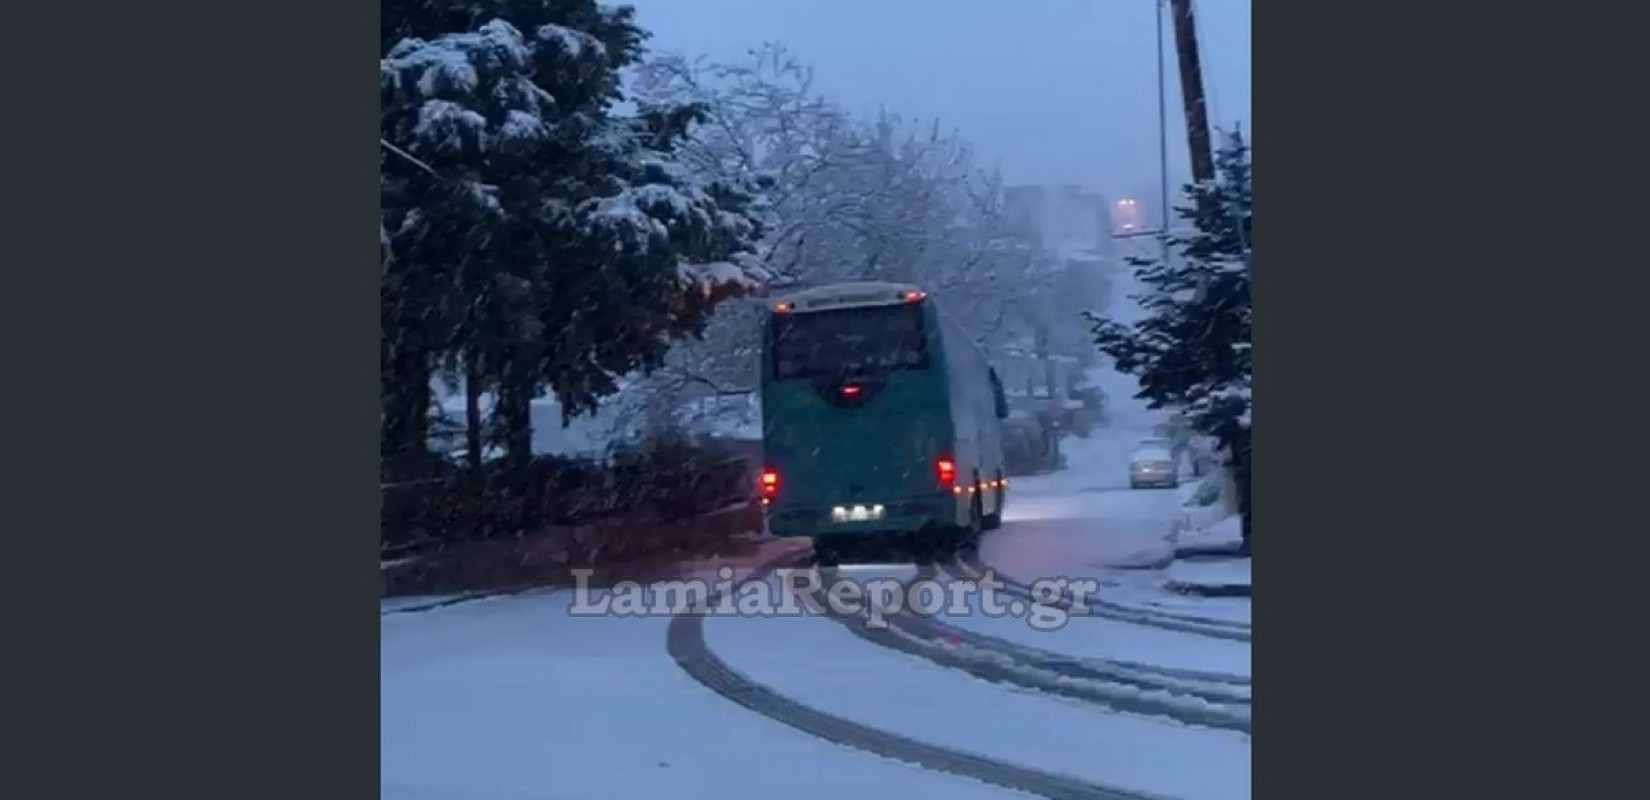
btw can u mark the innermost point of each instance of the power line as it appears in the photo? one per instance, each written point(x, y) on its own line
point(385, 143)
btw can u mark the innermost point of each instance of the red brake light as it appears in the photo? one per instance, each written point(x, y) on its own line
point(914, 296)
point(850, 391)
point(770, 483)
point(947, 470)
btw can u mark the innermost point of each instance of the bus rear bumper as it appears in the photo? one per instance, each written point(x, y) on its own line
point(906, 516)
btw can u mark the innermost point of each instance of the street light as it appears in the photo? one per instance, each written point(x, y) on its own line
point(1162, 134)
point(1162, 229)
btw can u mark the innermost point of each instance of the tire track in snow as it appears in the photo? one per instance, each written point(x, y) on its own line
point(971, 567)
point(1214, 685)
point(685, 640)
point(1219, 704)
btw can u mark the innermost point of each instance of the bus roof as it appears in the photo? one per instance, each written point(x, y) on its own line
point(850, 295)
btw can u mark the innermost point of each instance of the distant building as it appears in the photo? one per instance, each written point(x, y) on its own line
point(1075, 225)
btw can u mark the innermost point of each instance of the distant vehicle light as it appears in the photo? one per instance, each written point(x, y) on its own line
point(850, 391)
point(770, 483)
point(915, 296)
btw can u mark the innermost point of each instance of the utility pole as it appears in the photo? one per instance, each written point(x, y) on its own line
point(1192, 98)
point(1191, 91)
point(1045, 352)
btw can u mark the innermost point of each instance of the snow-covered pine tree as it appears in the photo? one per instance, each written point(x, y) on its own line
point(1191, 349)
point(437, 207)
point(547, 239)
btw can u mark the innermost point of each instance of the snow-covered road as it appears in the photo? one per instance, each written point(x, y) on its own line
point(513, 697)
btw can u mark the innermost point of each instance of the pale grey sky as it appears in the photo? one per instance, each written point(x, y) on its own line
point(1054, 91)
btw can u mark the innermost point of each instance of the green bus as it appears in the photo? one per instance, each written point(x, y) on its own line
point(881, 423)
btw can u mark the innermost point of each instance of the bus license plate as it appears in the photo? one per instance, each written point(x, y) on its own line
point(857, 513)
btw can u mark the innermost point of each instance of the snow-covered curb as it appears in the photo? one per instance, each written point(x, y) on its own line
point(1207, 540)
point(1225, 578)
point(1218, 537)
point(1205, 564)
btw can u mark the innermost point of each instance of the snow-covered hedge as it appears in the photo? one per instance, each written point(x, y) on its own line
point(668, 479)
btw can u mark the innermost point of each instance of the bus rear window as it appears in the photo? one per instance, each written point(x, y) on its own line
point(850, 341)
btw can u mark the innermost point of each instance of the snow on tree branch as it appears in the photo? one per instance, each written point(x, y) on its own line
point(838, 198)
point(535, 238)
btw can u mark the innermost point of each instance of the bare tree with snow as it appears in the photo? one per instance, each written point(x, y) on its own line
point(845, 199)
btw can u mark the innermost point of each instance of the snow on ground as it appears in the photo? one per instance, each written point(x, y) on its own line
point(1085, 533)
point(1122, 538)
point(1084, 522)
point(1145, 590)
point(819, 663)
point(1084, 518)
point(512, 698)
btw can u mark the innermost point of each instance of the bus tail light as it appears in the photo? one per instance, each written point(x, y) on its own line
point(770, 484)
point(946, 469)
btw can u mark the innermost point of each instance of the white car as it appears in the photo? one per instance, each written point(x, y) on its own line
point(1153, 464)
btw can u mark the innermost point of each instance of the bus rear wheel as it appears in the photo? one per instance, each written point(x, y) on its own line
point(994, 520)
point(968, 539)
point(930, 545)
point(827, 552)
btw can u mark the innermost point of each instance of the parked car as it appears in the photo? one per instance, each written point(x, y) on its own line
point(1153, 464)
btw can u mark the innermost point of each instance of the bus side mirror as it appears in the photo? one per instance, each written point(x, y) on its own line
point(998, 400)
